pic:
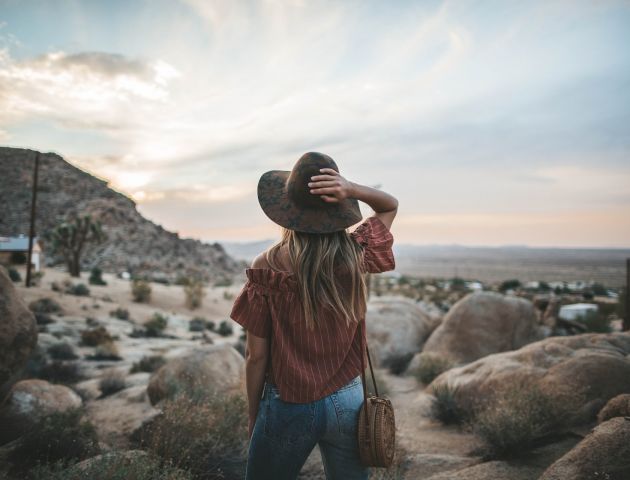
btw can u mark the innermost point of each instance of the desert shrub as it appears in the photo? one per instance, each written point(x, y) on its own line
point(227, 295)
point(156, 325)
point(14, 275)
point(79, 289)
point(95, 336)
point(148, 364)
point(509, 285)
point(120, 314)
point(140, 290)
point(595, 322)
point(96, 277)
point(225, 329)
point(194, 293)
point(45, 305)
point(105, 351)
point(207, 437)
point(59, 371)
point(223, 282)
point(62, 351)
point(397, 364)
point(112, 382)
point(43, 318)
point(210, 325)
point(430, 365)
point(517, 418)
point(112, 465)
point(445, 407)
point(197, 324)
point(62, 437)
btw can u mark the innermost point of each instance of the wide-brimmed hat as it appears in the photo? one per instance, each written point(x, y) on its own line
point(286, 199)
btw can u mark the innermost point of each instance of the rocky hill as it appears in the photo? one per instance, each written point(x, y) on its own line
point(133, 244)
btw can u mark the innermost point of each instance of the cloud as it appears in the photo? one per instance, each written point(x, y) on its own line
point(91, 90)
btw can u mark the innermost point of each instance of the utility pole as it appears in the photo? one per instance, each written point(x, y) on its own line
point(626, 318)
point(32, 228)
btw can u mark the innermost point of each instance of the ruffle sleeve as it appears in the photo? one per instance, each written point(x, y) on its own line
point(251, 310)
point(377, 242)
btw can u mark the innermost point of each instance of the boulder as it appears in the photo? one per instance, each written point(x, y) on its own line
point(396, 327)
point(604, 453)
point(580, 372)
point(18, 331)
point(205, 370)
point(618, 406)
point(483, 323)
point(30, 400)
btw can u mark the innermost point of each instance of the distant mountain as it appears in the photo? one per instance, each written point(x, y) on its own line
point(134, 244)
point(247, 250)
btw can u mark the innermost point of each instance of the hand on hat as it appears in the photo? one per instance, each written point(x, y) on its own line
point(330, 185)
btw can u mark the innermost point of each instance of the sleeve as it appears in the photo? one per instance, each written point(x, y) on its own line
point(377, 241)
point(251, 310)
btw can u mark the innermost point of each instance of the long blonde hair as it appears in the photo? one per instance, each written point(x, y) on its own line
point(318, 261)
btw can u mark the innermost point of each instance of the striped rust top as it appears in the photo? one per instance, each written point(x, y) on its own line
point(305, 365)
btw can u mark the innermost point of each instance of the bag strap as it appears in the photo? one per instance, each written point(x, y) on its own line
point(365, 413)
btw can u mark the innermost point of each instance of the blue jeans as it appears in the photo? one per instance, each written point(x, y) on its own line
point(285, 434)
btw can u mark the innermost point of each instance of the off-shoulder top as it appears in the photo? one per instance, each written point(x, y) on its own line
point(308, 365)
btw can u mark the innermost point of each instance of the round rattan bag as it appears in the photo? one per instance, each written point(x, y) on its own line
point(377, 428)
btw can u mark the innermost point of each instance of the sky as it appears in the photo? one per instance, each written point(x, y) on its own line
point(492, 122)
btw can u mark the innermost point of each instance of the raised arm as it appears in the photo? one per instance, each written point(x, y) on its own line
point(333, 188)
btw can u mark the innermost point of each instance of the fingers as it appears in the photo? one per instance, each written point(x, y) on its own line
point(324, 190)
point(329, 199)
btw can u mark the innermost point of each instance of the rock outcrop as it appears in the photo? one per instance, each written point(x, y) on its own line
point(581, 372)
point(604, 453)
point(618, 406)
point(202, 371)
point(18, 331)
point(483, 323)
point(396, 327)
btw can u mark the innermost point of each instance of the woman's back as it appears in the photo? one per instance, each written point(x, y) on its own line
point(308, 365)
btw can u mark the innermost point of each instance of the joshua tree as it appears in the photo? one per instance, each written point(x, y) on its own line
point(70, 237)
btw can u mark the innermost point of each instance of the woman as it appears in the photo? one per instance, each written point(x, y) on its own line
point(301, 307)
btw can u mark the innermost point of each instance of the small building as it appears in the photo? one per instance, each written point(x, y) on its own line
point(10, 247)
point(576, 310)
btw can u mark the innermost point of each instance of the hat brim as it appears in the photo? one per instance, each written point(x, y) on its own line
point(278, 206)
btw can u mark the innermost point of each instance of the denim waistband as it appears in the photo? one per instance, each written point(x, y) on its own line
point(356, 380)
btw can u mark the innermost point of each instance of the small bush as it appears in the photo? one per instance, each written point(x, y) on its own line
point(58, 437)
point(148, 364)
point(207, 437)
point(194, 293)
point(516, 419)
point(227, 295)
point(397, 364)
point(43, 318)
point(14, 275)
point(120, 314)
point(62, 351)
point(595, 322)
point(112, 382)
point(96, 336)
point(210, 325)
point(445, 407)
point(105, 351)
point(197, 324)
point(223, 282)
point(96, 277)
point(44, 305)
point(59, 371)
point(156, 325)
point(112, 465)
point(509, 285)
point(140, 290)
point(80, 289)
point(225, 329)
point(431, 365)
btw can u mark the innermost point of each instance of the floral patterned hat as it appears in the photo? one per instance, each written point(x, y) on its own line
point(286, 199)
